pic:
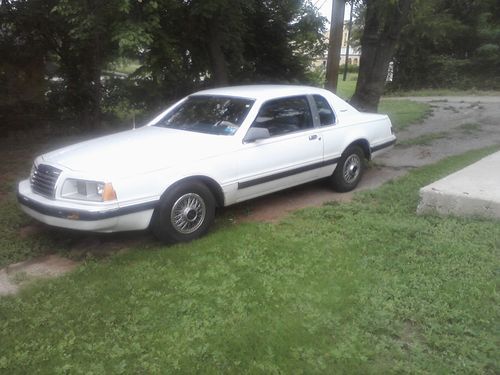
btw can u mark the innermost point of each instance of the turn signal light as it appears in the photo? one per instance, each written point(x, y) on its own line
point(108, 193)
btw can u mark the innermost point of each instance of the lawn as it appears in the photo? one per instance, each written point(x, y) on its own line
point(402, 112)
point(359, 287)
point(20, 151)
point(346, 90)
point(445, 92)
point(17, 241)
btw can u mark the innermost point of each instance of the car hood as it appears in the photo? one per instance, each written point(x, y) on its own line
point(140, 150)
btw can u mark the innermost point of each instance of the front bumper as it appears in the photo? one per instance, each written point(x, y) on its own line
point(84, 216)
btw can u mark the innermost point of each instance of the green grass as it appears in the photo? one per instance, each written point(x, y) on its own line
point(401, 112)
point(427, 139)
point(14, 246)
point(20, 153)
point(360, 287)
point(345, 89)
point(404, 113)
point(470, 128)
point(444, 92)
point(423, 140)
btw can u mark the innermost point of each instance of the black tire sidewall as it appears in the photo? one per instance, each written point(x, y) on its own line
point(337, 179)
point(162, 227)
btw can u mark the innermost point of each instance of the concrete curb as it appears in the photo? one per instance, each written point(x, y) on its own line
point(472, 191)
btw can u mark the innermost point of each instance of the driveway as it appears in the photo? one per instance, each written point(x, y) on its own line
point(457, 125)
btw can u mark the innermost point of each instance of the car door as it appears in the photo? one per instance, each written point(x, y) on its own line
point(332, 133)
point(290, 156)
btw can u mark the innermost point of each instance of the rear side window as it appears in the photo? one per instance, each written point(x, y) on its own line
point(326, 114)
point(287, 115)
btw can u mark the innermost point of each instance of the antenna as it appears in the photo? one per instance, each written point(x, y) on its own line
point(133, 120)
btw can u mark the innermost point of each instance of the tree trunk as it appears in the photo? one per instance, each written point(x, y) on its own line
point(378, 43)
point(335, 44)
point(217, 58)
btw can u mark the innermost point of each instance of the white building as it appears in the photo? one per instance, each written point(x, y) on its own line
point(354, 52)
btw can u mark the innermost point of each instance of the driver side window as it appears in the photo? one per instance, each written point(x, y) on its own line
point(287, 115)
point(326, 114)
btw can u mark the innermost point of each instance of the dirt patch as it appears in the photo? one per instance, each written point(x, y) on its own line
point(272, 208)
point(447, 132)
point(457, 125)
point(13, 277)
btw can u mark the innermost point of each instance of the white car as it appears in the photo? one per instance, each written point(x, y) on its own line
point(213, 148)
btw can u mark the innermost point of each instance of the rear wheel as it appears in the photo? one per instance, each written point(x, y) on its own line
point(349, 169)
point(185, 213)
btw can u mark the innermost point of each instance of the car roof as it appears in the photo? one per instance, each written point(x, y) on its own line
point(264, 92)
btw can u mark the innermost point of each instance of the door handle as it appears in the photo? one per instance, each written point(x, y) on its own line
point(313, 137)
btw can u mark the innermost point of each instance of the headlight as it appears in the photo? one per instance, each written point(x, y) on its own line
point(94, 191)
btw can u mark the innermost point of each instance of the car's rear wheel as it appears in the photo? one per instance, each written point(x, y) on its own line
point(349, 169)
point(185, 213)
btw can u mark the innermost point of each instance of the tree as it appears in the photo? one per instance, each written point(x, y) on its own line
point(89, 34)
point(181, 46)
point(282, 40)
point(384, 21)
point(23, 63)
point(450, 44)
point(219, 42)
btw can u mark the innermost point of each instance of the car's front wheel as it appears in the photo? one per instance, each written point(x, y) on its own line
point(185, 213)
point(349, 169)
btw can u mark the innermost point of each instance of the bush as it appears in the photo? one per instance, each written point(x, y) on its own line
point(436, 71)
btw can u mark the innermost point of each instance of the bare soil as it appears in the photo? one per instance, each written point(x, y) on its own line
point(13, 277)
point(457, 125)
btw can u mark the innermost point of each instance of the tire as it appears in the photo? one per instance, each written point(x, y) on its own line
point(349, 169)
point(184, 213)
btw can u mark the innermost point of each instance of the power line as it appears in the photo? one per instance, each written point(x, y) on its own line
point(323, 3)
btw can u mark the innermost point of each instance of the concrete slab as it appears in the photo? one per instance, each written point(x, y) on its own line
point(472, 191)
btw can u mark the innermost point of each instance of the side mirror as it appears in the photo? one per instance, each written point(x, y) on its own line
point(255, 134)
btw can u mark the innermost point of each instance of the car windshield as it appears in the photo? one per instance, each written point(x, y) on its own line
point(220, 115)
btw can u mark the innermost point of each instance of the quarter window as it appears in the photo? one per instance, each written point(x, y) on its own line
point(326, 114)
point(282, 116)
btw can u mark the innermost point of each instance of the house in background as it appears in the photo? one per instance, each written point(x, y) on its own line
point(354, 52)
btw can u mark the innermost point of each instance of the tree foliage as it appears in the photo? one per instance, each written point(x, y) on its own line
point(450, 43)
point(23, 55)
point(66, 46)
point(441, 43)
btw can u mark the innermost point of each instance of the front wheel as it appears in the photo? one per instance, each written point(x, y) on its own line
point(184, 213)
point(349, 169)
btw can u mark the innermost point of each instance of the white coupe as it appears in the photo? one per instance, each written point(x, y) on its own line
point(213, 148)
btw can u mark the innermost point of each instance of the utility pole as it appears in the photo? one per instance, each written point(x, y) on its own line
point(335, 44)
point(348, 42)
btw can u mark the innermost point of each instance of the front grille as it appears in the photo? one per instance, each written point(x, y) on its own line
point(43, 180)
